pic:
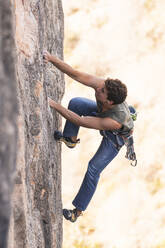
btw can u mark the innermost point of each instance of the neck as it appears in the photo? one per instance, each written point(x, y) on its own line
point(105, 108)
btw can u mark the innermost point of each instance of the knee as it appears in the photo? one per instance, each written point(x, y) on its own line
point(73, 103)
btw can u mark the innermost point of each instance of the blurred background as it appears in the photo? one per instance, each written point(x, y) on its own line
point(124, 40)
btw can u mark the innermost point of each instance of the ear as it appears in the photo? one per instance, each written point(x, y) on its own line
point(110, 102)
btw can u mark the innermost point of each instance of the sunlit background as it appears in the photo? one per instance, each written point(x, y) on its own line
point(122, 39)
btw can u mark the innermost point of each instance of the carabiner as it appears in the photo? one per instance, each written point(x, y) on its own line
point(135, 163)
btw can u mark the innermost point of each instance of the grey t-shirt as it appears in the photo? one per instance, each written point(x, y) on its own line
point(119, 113)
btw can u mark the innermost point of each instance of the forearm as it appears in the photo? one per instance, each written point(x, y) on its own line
point(73, 117)
point(85, 121)
point(84, 78)
point(62, 66)
point(66, 113)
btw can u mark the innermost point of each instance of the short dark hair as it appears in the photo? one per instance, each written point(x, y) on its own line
point(117, 91)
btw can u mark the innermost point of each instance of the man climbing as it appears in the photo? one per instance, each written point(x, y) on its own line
point(110, 114)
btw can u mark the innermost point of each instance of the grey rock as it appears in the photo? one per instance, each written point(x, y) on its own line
point(8, 116)
point(37, 209)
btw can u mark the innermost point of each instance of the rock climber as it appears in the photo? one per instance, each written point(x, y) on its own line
point(109, 113)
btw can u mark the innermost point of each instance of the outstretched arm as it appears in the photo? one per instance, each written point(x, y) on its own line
point(85, 121)
point(84, 78)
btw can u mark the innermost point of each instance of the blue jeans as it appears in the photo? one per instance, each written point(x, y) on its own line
point(106, 152)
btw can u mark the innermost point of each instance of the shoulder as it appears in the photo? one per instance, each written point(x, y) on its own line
point(99, 83)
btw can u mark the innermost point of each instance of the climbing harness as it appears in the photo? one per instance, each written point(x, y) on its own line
point(129, 143)
point(127, 139)
point(130, 153)
point(133, 113)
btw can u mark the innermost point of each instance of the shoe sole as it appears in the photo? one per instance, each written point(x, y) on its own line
point(67, 143)
point(71, 218)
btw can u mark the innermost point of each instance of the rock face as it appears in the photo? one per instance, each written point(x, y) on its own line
point(8, 115)
point(37, 208)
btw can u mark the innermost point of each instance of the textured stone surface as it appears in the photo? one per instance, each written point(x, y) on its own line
point(8, 114)
point(37, 208)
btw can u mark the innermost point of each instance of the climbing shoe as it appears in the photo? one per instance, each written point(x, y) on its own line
point(67, 140)
point(71, 215)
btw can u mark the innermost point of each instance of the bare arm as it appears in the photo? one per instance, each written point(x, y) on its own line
point(87, 121)
point(84, 78)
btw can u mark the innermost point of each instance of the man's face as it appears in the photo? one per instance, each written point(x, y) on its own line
point(102, 96)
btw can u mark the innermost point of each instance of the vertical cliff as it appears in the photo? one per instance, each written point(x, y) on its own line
point(8, 115)
point(37, 214)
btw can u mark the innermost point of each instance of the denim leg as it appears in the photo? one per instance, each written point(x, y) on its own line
point(80, 106)
point(104, 155)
